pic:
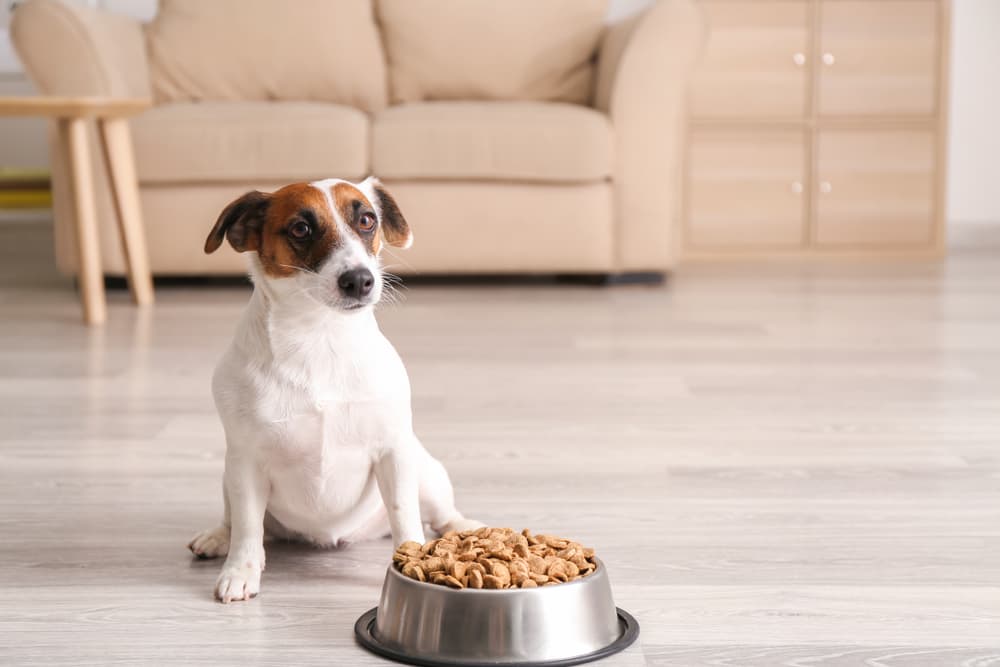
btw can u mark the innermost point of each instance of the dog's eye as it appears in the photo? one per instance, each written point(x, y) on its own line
point(300, 230)
point(367, 222)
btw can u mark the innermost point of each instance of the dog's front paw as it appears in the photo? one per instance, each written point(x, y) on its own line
point(238, 581)
point(210, 543)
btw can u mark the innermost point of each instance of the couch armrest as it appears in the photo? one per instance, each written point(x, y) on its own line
point(72, 50)
point(642, 75)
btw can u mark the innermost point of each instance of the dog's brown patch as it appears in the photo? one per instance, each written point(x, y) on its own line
point(240, 223)
point(262, 222)
point(395, 229)
point(280, 254)
point(352, 205)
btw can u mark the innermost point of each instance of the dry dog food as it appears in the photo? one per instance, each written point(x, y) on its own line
point(494, 558)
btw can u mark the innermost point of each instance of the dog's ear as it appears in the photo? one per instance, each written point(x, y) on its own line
point(240, 223)
point(395, 229)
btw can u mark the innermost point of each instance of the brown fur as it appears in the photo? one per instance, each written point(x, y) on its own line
point(260, 222)
point(395, 229)
point(240, 223)
point(351, 203)
point(280, 255)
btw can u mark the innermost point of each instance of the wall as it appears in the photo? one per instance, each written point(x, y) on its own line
point(620, 8)
point(22, 140)
point(974, 155)
point(975, 104)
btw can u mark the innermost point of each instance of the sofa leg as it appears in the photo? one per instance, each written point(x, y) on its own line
point(115, 283)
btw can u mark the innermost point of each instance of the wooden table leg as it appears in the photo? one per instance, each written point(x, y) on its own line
point(73, 132)
point(117, 143)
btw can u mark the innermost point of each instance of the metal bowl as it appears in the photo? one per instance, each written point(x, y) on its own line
point(428, 624)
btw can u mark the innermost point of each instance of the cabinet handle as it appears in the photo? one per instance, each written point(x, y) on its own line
point(797, 187)
point(799, 58)
point(828, 58)
point(825, 187)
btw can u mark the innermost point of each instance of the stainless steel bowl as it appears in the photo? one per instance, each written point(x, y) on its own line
point(428, 624)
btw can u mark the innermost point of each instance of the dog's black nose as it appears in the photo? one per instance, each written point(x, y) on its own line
point(356, 282)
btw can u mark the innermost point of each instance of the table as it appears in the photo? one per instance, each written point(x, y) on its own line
point(111, 116)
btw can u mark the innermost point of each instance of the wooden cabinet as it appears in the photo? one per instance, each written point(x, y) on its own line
point(874, 187)
point(878, 57)
point(755, 60)
point(817, 127)
point(747, 188)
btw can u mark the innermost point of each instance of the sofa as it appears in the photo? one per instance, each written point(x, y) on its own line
point(517, 137)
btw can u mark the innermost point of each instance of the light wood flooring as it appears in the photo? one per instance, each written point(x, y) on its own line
point(781, 464)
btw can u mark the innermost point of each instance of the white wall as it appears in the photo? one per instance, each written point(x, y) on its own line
point(23, 141)
point(620, 8)
point(144, 10)
point(974, 156)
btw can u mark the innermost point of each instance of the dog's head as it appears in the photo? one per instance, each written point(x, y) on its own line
point(319, 240)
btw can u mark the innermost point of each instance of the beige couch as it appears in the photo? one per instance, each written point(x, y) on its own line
point(520, 136)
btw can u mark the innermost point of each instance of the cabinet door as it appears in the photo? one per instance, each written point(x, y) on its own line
point(875, 187)
point(878, 57)
point(755, 63)
point(746, 188)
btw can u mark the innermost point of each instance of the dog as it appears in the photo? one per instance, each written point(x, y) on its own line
point(314, 400)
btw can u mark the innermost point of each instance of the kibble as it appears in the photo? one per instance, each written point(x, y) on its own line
point(494, 558)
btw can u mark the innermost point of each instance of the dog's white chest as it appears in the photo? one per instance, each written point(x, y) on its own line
point(325, 412)
point(349, 393)
point(319, 468)
point(315, 407)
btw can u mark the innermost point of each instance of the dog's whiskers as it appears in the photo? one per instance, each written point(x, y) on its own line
point(299, 268)
point(390, 297)
point(400, 260)
point(392, 288)
point(391, 277)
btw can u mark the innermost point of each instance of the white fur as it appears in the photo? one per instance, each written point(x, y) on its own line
point(315, 403)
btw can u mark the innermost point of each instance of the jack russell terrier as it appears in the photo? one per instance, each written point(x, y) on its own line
point(314, 400)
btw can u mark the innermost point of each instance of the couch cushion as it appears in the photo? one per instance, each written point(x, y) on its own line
point(481, 227)
point(533, 141)
point(255, 141)
point(323, 50)
point(484, 49)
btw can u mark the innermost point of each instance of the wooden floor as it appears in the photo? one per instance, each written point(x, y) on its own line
point(780, 464)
